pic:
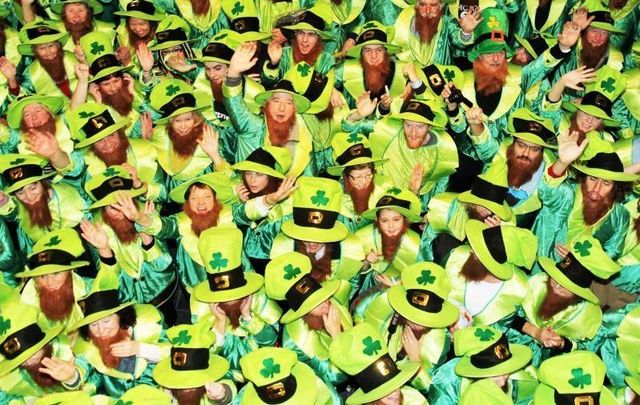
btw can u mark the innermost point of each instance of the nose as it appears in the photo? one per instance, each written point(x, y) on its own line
point(597, 186)
point(281, 107)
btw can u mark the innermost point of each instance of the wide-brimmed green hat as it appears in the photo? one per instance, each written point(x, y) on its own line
point(575, 377)
point(172, 31)
point(273, 161)
point(94, 6)
point(350, 149)
point(218, 182)
point(16, 108)
point(424, 111)
point(54, 252)
point(288, 277)
point(486, 352)
point(91, 122)
point(628, 343)
point(400, 200)
point(243, 19)
point(18, 170)
point(491, 34)
point(277, 377)
point(500, 248)
point(536, 44)
point(606, 166)
point(531, 127)
point(102, 187)
point(422, 296)
point(374, 33)
point(489, 192)
point(602, 16)
point(221, 47)
point(190, 365)
point(38, 33)
point(172, 97)
point(362, 353)
point(316, 206)
point(65, 398)
point(141, 9)
point(314, 86)
point(286, 86)
point(144, 395)
point(100, 55)
point(600, 95)
point(21, 336)
point(221, 249)
point(634, 383)
point(314, 19)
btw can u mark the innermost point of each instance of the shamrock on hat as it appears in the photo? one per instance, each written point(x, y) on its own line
point(172, 97)
point(313, 85)
point(18, 170)
point(144, 395)
point(100, 55)
point(350, 149)
point(244, 20)
point(54, 252)
point(491, 34)
point(102, 188)
point(91, 122)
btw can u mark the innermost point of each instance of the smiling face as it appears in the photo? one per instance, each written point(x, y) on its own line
point(587, 122)
point(51, 281)
point(31, 193)
point(183, 124)
point(415, 133)
point(106, 327)
point(306, 40)
point(390, 222)
point(493, 60)
point(313, 247)
point(360, 179)
point(111, 86)
point(47, 51)
point(141, 28)
point(373, 55)
point(596, 37)
point(428, 8)
point(201, 200)
point(76, 13)
point(108, 144)
point(281, 107)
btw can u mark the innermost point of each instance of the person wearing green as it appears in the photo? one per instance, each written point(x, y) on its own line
point(12, 260)
point(169, 54)
point(205, 18)
point(139, 21)
point(545, 17)
point(78, 18)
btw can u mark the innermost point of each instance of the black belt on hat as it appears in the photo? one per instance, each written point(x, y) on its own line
point(39, 31)
point(301, 290)
point(493, 355)
point(262, 157)
point(586, 398)
point(179, 101)
point(316, 86)
point(371, 35)
point(111, 185)
point(278, 391)
point(246, 24)
point(488, 191)
point(227, 280)
point(99, 301)
point(575, 271)
point(495, 243)
point(533, 127)
point(16, 174)
point(97, 123)
point(51, 256)
point(315, 218)
point(377, 373)
point(424, 300)
point(183, 358)
point(142, 6)
point(597, 99)
point(388, 200)
point(176, 34)
point(21, 340)
point(418, 108)
point(601, 16)
point(218, 50)
point(354, 151)
point(103, 62)
point(609, 161)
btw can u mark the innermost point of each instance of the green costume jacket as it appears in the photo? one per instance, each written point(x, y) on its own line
point(345, 18)
point(628, 279)
point(35, 80)
point(12, 260)
point(203, 27)
point(525, 18)
point(324, 63)
point(625, 19)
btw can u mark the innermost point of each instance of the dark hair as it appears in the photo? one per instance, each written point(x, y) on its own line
point(200, 186)
point(370, 165)
point(127, 317)
point(620, 188)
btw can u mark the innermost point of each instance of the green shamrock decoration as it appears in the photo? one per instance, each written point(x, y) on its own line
point(449, 75)
point(55, 240)
point(17, 161)
point(580, 379)
point(353, 138)
point(394, 191)
point(121, 402)
point(291, 272)
point(583, 248)
point(304, 69)
point(319, 199)
point(96, 48)
point(183, 338)
point(172, 89)
point(237, 8)
point(110, 172)
point(608, 85)
point(218, 262)
point(368, 25)
point(270, 369)
point(371, 346)
point(85, 114)
point(426, 278)
point(221, 36)
point(5, 324)
point(484, 334)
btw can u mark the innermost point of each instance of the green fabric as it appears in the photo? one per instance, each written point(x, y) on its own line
point(203, 28)
point(324, 64)
point(12, 260)
point(524, 19)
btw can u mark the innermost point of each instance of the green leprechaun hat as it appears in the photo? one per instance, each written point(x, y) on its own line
point(273, 161)
point(374, 33)
point(20, 334)
point(54, 252)
point(536, 44)
point(600, 95)
point(190, 365)
point(634, 383)
point(141, 9)
point(531, 127)
point(489, 192)
point(486, 352)
point(217, 181)
point(16, 108)
point(314, 86)
point(288, 277)
point(221, 47)
point(102, 187)
point(400, 200)
point(94, 6)
point(144, 395)
point(576, 377)
point(421, 296)
point(350, 149)
point(500, 248)
point(172, 97)
point(425, 111)
point(65, 398)
point(221, 249)
point(286, 86)
point(491, 34)
point(91, 122)
point(362, 353)
point(172, 31)
point(243, 17)
point(101, 58)
point(18, 170)
point(606, 166)
point(38, 33)
point(314, 19)
point(277, 377)
point(602, 16)
point(316, 206)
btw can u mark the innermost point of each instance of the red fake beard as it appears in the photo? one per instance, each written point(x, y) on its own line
point(314, 322)
point(39, 212)
point(279, 131)
point(121, 101)
point(520, 169)
point(310, 57)
point(57, 304)
point(116, 157)
point(216, 90)
point(233, 311)
point(360, 198)
point(41, 379)
point(185, 145)
point(124, 229)
point(202, 222)
point(200, 7)
point(593, 210)
point(590, 55)
point(104, 346)
point(54, 67)
point(427, 26)
point(489, 80)
point(320, 268)
point(375, 76)
point(390, 244)
point(554, 303)
point(188, 396)
point(473, 269)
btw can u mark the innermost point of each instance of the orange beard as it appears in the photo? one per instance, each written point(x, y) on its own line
point(49, 126)
point(590, 56)
point(310, 57)
point(56, 305)
point(41, 379)
point(124, 229)
point(487, 79)
point(553, 303)
point(326, 114)
point(360, 198)
point(232, 310)
point(390, 244)
point(79, 29)
point(135, 40)
point(104, 346)
point(202, 222)
point(54, 67)
point(473, 269)
point(427, 26)
point(617, 4)
point(375, 76)
point(520, 169)
point(118, 156)
point(122, 101)
point(200, 7)
point(185, 145)
point(39, 212)
point(279, 131)
point(188, 396)
point(216, 90)
point(314, 322)
point(594, 210)
point(320, 268)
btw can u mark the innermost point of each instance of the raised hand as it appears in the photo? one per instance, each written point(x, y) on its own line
point(221, 318)
point(146, 125)
point(45, 145)
point(569, 34)
point(126, 348)
point(125, 204)
point(59, 370)
point(332, 321)
point(470, 20)
point(123, 55)
point(79, 53)
point(365, 106)
point(209, 142)
point(386, 99)
point(129, 82)
point(245, 307)
point(275, 52)
point(81, 71)
point(137, 183)
point(409, 70)
point(277, 35)
point(568, 149)
point(581, 75)
point(283, 192)
point(581, 18)
point(94, 235)
point(145, 57)
point(94, 90)
point(416, 178)
point(242, 192)
point(337, 100)
point(410, 344)
point(177, 62)
point(373, 256)
point(215, 391)
point(243, 59)
point(7, 68)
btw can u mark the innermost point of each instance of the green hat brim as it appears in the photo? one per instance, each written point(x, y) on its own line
point(8, 365)
point(308, 27)
point(409, 116)
point(205, 59)
point(448, 315)
point(532, 138)
point(224, 192)
point(203, 294)
point(606, 174)
point(549, 266)
point(474, 235)
point(633, 382)
point(487, 46)
point(95, 6)
point(337, 170)
point(109, 71)
point(254, 36)
point(310, 234)
point(591, 110)
point(305, 394)
point(96, 316)
point(301, 102)
point(51, 269)
point(167, 377)
point(182, 110)
point(520, 357)
point(409, 215)
point(103, 134)
point(169, 44)
point(544, 395)
point(502, 210)
point(325, 292)
point(18, 185)
point(140, 15)
point(246, 165)
point(25, 48)
point(14, 114)
point(110, 198)
point(407, 371)
point(607, 27)
point(355, 51)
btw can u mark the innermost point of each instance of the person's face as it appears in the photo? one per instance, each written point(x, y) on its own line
point(395, 398)
point(390, 222)
point(521, 57)
point(313, 247)
point(415, 133)
point(587, 122)
point(500, 380)
point(30, 194)
point(360, 178)
point(113, 212)
point(373, 54)
point(256, 181)
point(322, 309)
point(34, 359)
point(559, 289)
point(201, 200)
point(306, 40)
point(52, 281)
point(106, 327)
point(598, 189)
point(76, 13)
point(47, 51)
point(182, 124)
point(596, 37)
point(139, 27)
point(215, 71)
point(111, 85)
point(415, 327)
point(526, 151)
point(493, 60)
point(109, 143)
point(35, 115)
point(429, 8)
point(281, 107)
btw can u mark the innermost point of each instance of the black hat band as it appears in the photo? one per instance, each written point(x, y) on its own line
point(377, 373)
point(373, 34)
point(19, 173)
point(176, 34)
point(99, 301)
point(488, 191)
point(597, 99)
point(421, 109)
point(284, 85)
point(313, 20)
point(355, 151)
point(583, 398)
point(316, 86)
point(575, 271)
point(111, 185)
point(142, 6)
point(602, 16)
point(314, 218)
point(425, 300)
point(495, 36)
point(226, 280)
point(389, 200)
point(217, 50)
point(97, 124)
point(495, 243)
point(606, 161)
point(183, 100)
point(279, 391)
point(435, 78)
point(533, 127)
point(39, 31)
point(262, 157)
point(51, 256)
point(103, 62)
point(538, 44)
point(246, 24)
point(21, 340)
point(301, 290)
point(493, 355)
point(184, 359)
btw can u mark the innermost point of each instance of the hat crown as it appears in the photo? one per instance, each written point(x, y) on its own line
point(283, 272)
point(494, 20)
point(65, 239)
point(220, 248)
point(357, 348)
point(267, 365)
point(472, 340)
point(318, 193)
point(589, 252)
point(573, 373)
point(111, 180)
point(426, 276)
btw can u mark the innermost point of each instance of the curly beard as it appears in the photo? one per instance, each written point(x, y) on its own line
point(185, 145)
point(202, 222)
point(320, 268)
point(360, 198)
point(41, 379)
point(124, 229)
point(104, 346)
point(118, 156)
point(54, 67)
point(39, 212)
point(489, 80)
point(311, 57)
point(520, 169)
point(121, 101)
point(279, 131)
point(426, 26)
point(77, 30)
point(590, 55)
point(314, 322)
point(57, 304)
point(391, 244)
point(375, 76)
point(554, 303)
point(233, 311)
point(593, 210)
point(200, 7)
